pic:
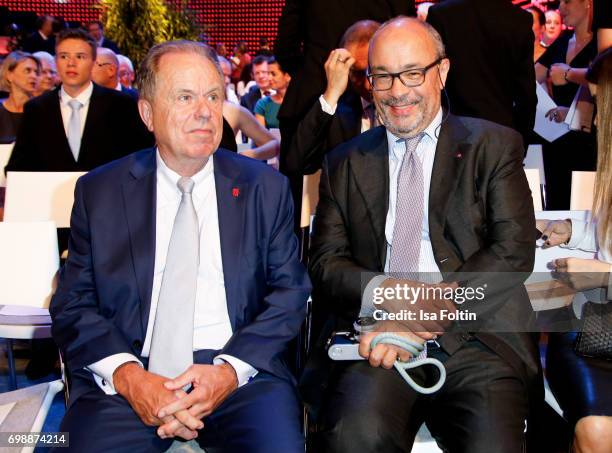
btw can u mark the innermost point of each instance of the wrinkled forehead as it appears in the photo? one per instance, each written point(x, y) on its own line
point(187, 71)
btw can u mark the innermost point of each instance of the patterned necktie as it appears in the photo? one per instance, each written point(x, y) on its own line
point(406, 244)
point(74, 128)
point(172, 341)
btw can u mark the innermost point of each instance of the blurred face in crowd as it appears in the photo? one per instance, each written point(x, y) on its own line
point(400, 46)
point(186, 112)
point(96, 31)
point(261, 75)
point(357, 74)
point(552, 29)
point(74, 59)
point(24, 77)
point(227, 71)
point(105, 70)
point(47, 27)
point(48, 76)
point(279, 80)
point(126, 75)
point(573, 12)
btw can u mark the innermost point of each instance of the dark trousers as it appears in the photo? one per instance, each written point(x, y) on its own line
point(262, 416)
point(482, 407)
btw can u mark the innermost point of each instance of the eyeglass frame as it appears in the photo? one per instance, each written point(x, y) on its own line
point(397, 75)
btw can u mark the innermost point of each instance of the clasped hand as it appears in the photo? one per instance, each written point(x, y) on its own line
point(161, 402)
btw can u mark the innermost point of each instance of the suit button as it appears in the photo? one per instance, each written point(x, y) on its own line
point(136, 344)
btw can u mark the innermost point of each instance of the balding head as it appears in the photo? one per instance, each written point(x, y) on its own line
point(407, 104)
point(106, 68)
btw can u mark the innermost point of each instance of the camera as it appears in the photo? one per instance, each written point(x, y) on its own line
point(345, 345)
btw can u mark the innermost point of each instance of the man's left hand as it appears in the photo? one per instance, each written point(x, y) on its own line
point(212, 384)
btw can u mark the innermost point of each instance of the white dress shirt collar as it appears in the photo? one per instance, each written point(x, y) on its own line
point(83, 97)
point(432, 131)
point(169, 178)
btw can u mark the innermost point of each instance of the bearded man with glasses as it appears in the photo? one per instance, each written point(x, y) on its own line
point(431, 193)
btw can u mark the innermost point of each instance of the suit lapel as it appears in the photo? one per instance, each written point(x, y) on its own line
point(139, 196)
point(451, 155)
point(57, 128)
point(371, 172)
point(95, 116)
point(231, 194)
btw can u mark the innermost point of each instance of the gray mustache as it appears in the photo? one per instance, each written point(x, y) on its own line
point(403, 100)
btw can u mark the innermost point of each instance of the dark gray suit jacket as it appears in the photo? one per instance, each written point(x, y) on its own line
point(481, 220)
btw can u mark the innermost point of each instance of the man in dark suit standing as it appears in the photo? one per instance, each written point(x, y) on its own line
point(308, 30)
point(344, 110)
point(80, 125)
point(490, 43)
point(182, 273)
point(261, 76)
point(96, 29)
point(428, 193)
point(42, 39)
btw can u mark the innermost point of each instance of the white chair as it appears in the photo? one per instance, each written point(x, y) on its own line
point(37, 196)
point(5, 154)
point(535, 159)
point(28, 266)
point(533, 179)
point(25, 410)
point(310, 197)
point(583, 187)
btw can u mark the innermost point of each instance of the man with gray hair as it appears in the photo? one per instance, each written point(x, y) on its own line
point(126, 71)
point(429, 193)
point(182, 286)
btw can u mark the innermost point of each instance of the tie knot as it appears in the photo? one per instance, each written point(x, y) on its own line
point(413, 142)
point(185, 184)
point(74, 104)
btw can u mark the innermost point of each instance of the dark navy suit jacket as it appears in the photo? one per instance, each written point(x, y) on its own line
point(101, 306)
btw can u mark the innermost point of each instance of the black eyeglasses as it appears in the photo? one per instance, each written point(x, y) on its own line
point(410, 77)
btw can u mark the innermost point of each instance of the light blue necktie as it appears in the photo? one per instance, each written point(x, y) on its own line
point(74, 128)
point(172, 339)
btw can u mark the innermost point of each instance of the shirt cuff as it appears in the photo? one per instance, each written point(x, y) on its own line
point(326, 107)
point(367, 300)
point(103, 370)
point(578, 231)
point(244, 371)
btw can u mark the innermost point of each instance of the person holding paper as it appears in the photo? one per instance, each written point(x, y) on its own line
point(565, 63)
point(583, 386)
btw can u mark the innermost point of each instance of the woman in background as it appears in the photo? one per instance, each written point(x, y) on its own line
point(566, 62)
point(266, 109)
point(539, 23)
point(583, 385)
point(552, 27)
point(19, 75)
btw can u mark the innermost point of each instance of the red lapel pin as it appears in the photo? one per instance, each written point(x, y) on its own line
point(459, 155)
point(235, 192)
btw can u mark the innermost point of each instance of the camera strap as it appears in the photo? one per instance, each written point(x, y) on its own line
point(415, 349)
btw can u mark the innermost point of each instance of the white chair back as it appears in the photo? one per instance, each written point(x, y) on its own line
point(38, 196)
point(583, 188)
point(5, 154)
point(533, 179)
point(310, 197)
point(28, 263)
point(535, 159)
